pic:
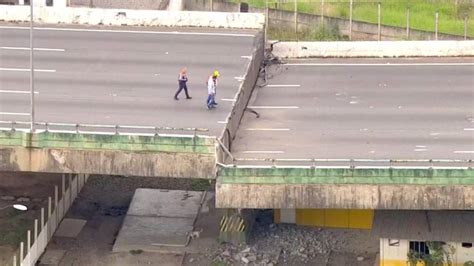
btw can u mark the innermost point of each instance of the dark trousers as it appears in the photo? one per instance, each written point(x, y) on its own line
point(182, 87)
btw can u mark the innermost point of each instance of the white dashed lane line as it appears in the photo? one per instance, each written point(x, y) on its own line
point(267, 129)
point(17, 92)
point(273, 107)
point(271, 152)
point(35, 49)
point(27, 70)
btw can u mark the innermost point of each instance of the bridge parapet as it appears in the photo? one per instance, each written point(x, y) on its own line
point(115, 150)
point(345, 187)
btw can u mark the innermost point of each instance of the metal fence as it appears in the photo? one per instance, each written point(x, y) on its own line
point(76, 128)
point(350, 163)
point(29, 253)
point(359, 19)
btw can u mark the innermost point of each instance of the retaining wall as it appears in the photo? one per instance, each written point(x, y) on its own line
point(306, 188)
point(127, 4)
point(120, 17)
point(189, 157)
point(374, 49)
point(282, 19)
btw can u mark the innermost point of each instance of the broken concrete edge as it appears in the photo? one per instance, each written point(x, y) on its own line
point(129, 17)
point(261, 176)
point(361, 49)
point(108, 162)
point(242, 97)
point(344, 196)
point(192, 144)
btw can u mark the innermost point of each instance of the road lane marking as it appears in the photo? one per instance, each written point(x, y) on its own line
point(267, 129)
point(272, 107)
point(135, 31)
point(27, 70)
point(228, 100)
point(272, 152)
point(239, 78)
point(19, 114)
point(246, 56)
point(463, 151)
point(17, 92)
point(283, 85)
point(469, 129)
point(35, 49)
point(222, 122)
point(380, 64)
point(420, 149)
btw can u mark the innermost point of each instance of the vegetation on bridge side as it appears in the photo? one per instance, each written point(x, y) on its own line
point(393, 12)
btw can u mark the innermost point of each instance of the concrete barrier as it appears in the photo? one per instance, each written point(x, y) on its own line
point(374, 49)
point(119, 17)
point(242, 97)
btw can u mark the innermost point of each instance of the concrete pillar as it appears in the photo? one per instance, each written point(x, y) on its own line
point(236, 225)
point(176, 5)
point(60, 3)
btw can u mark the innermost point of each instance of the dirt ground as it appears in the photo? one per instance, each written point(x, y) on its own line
point(104, 201)
point(30, 189)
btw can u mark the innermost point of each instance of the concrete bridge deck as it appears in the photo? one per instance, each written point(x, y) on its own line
point(360, 134)
point(121, 75)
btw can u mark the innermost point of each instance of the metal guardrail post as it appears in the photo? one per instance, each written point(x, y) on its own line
point(379, 29)
point(116, 129)
point(436, 24)
point(77, 128)
point(465, 28)
point(350, 20)
point(408, 23)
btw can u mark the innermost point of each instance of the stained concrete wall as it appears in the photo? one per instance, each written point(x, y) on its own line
point(127, 4)
point(121, 17)
point(108, 154)
point(345, 196)
point(299, 188)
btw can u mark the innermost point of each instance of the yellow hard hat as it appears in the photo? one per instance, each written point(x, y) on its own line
point(215, 73)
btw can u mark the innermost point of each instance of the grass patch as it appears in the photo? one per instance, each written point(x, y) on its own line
point(201, 185)
point(13, 228)
point(329, 33)
point(422, 12)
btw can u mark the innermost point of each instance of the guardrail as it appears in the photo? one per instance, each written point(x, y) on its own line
point(98, 129)
point(351, 163)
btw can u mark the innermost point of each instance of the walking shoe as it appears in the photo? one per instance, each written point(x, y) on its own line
point(189, 98)
point(176, 98)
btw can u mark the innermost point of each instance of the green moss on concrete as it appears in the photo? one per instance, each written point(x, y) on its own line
point(109, 142)
point(346, 176)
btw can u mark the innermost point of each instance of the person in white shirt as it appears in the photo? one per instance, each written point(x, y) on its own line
point(211, 90)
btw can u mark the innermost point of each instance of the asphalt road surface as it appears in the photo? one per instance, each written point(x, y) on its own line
point(116, 76)
point(362, 109)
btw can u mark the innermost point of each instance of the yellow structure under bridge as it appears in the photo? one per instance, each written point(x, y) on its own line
point(336, 218)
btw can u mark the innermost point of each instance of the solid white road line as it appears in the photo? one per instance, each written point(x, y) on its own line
point(267, 129)
point(463, 151)
point(27, 70)
point(380, 64)
point(134, 31)
point(273, 107)
point(17, 92)
point(20, 114)
point(35, 49)
point(282, 85)
point(272, 152)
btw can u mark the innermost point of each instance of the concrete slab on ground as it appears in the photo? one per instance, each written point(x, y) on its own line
point(157, 219)
point(70, 227)
point(158, 203)
point(52, 257)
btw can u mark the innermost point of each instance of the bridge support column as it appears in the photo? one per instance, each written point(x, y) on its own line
point(236, 225)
